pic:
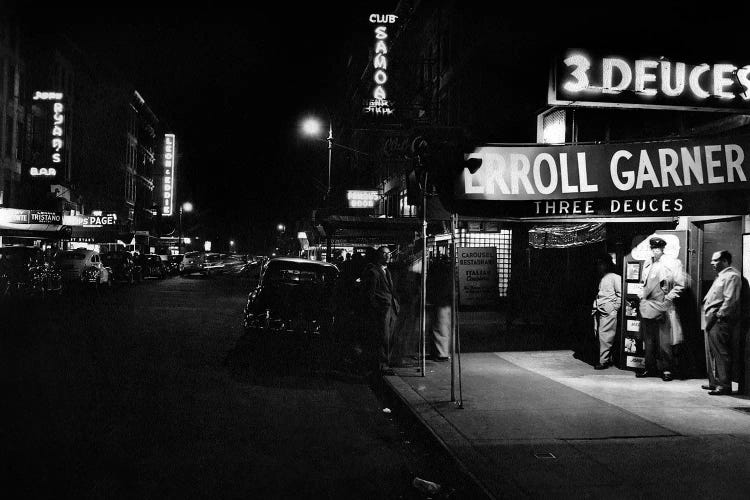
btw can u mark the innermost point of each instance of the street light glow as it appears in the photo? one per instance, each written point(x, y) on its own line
point(231, 242)
point(311, 127)
point(281, 227)
point(187, 206)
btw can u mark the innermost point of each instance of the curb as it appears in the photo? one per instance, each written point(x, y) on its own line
point(441, 431)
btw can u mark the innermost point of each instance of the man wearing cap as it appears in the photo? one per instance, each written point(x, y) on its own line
point(721, 317)
point(662, 284)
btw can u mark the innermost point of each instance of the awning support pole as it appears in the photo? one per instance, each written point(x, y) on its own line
point(453, 308)
point(423, 318)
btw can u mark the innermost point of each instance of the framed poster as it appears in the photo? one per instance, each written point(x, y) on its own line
point(633, 271)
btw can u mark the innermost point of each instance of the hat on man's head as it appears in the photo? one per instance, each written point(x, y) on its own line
point(657, 242)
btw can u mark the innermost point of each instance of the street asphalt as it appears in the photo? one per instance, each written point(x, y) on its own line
point(151, 391)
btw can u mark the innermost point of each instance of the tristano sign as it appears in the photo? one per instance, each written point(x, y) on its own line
point(584, 78)
point(477, 275)
point(43, 217)
point(664, 168)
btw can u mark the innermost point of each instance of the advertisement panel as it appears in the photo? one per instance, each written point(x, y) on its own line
point(645, 178)
point(477, 276)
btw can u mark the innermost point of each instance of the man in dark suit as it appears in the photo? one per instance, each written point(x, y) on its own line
point(381, 306)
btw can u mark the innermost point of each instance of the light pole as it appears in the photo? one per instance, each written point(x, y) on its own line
point(231, 246)
point(187, 207)
point(312, 127)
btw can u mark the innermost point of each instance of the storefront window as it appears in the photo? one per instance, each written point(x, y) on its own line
point(500, 240)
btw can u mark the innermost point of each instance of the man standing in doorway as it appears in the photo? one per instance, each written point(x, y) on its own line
point(605, 308)
point(721, 319)
point(381, 304)
point(662, 284)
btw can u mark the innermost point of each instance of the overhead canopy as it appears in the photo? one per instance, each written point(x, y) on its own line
point(359, 230)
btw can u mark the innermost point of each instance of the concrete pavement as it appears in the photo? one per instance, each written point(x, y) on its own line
point(543, 424)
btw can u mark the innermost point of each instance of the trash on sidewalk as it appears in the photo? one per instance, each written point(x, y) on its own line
point(426, 487)
point(386, 410)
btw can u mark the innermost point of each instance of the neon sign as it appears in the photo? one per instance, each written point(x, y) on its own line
point(362, 198)
point(612, 81)
point(167, 207)
point(379, 103)
point(57, 134)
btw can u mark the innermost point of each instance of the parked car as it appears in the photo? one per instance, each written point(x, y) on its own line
point(152, 266)
point(174, 262)
point(234, 263)
point(83, 266)
point(295, 298)
point(25, 271)
point(192, 262)
point(213, 264)
point(123, 266)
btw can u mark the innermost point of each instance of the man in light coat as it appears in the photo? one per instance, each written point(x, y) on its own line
point(605, 309)
point(663, 281)
point(720, 320)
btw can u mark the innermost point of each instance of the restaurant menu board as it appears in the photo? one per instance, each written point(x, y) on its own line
point(477, 276)
point(632, 345)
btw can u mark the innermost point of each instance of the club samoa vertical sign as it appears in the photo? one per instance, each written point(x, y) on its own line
point(477, 276)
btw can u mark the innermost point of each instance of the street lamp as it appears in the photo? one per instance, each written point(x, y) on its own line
point(281, 228)
point(312, 128)
point(231, 245)
point(187, 207)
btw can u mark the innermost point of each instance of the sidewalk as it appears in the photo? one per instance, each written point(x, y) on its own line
point(543, 424)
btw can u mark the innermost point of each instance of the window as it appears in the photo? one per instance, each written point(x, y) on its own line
point(406, 210)
point(501, 240)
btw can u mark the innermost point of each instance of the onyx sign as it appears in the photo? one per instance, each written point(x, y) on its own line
point(583, 78)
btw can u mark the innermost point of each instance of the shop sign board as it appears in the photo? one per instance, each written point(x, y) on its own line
point(477, 276)
point(619, 179)
point(596, 79)
point(44, 217)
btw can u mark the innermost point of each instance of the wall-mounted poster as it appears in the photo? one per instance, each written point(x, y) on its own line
point(631, 345)
point(634, 288)
point(477, 276)
point(631, 308)
point(633, 325)
point(633, 271)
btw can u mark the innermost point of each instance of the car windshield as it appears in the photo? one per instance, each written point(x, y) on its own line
point(70, 256)
point(175, 258)
point(113, 257)
point(293, 273)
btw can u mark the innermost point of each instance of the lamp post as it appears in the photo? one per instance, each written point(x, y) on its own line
point(231, 246)
point(312, 127)
point(187, 207)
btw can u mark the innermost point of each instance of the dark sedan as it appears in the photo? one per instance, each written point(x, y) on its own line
point(124, 267)
point(294, 301)
point(25, 271)
point(152, 266)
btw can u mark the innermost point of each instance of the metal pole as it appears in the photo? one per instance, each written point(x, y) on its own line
point(453, 307)
point(179, 243)
point(423, 322)
point(330, 149)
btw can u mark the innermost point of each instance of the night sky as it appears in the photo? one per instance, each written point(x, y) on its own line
point(234, 82)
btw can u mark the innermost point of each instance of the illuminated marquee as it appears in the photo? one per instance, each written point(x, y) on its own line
point(362, 198)
point(57, 134)
point(167, 207)
point(582, 79)
point(379, 104)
